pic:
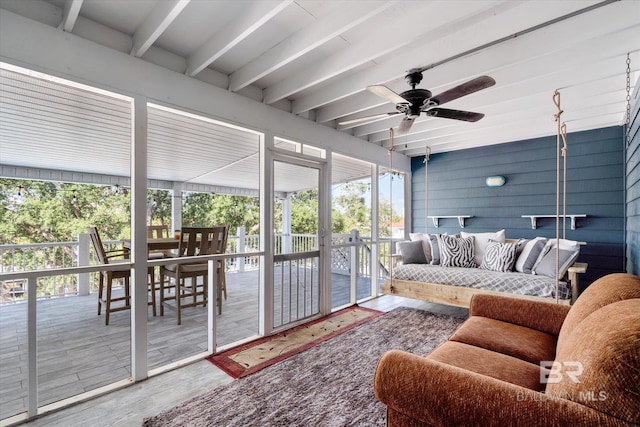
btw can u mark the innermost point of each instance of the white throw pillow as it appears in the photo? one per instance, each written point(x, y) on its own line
point(481, 240)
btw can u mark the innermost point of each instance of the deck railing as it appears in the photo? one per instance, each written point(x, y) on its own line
point(351, 253)
point(56, 255)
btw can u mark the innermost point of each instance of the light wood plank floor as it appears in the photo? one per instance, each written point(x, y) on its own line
point(130, 405)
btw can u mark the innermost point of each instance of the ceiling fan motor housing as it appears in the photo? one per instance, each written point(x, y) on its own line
point(416, 97)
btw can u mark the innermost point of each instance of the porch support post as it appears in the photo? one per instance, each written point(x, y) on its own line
point(324, 237)
point(139, 306)
point(265, 306)
point(32, 347)
point(83, 259)
point(353, 265)
point(176, 207)
point(375, 229)
point(212, 307)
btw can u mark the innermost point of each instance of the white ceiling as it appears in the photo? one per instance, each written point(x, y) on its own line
point(50, 125)
point(315, 59)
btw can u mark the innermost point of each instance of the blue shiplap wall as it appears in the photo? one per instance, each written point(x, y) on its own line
point(633, 191)
point(595, 187)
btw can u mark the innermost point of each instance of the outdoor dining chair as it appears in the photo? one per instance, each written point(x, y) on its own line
point(107, 277)
point(189, 291)
point(155, 232)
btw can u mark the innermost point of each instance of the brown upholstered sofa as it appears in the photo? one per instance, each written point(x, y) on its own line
point(489, 373)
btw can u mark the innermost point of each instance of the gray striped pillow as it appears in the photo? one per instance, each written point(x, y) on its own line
point(530, 254)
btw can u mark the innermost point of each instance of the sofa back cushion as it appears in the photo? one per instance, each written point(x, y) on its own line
point(599, 364)
point(604, 291)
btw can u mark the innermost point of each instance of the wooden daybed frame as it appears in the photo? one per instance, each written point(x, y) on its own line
point(461, 297)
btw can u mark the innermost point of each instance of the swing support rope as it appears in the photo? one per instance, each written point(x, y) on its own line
point(628, 118)
point(390, 153)
point(427, 154)
point(561, 151)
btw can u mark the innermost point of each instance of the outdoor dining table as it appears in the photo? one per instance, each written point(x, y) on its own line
point(158, 248)
point(158, 244)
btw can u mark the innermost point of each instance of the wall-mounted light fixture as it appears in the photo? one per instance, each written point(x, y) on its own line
point(495, 181)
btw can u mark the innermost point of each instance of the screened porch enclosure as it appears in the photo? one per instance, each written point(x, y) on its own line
point(55, 347)
point(77, 353)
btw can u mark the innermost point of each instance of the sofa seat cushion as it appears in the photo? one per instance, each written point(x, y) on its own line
point(506, 338)
point(489, 363)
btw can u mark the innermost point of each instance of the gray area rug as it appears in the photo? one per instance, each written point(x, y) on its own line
point(330, 384)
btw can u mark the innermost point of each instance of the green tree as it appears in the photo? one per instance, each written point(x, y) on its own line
point(158, 207)
point(387, 216)
point(206, 209)
point(351, 210)
point(38, 211)
point(304, 212)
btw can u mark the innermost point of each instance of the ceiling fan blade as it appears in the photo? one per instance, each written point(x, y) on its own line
point(385, 92)
point(446, 113)
point(405, 124)
point(467, 88)
point(368, 118)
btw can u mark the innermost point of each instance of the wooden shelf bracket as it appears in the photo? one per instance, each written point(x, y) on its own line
point(534, 219)
point(461, 218)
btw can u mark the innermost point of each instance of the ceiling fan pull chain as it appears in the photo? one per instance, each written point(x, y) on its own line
point(628, 121)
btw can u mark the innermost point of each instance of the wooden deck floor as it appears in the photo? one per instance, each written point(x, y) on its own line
point(129, 406)
point(78, 353)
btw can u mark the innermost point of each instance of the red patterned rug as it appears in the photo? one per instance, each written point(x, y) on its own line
point(253, 356)
point(330, 384)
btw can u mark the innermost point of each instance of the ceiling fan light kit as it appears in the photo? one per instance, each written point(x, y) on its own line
point(414, 102)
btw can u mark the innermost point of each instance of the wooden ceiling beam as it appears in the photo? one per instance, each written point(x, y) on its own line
point(347, 16)
point(235, 32)
point(156, 23)
point(70, 14)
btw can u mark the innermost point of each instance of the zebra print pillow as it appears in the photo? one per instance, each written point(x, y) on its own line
point(499, 256)
point(456, 251)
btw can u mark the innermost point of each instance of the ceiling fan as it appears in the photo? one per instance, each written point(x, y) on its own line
point(413, 102)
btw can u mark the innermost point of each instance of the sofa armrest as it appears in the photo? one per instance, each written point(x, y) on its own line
point(542, 316)
point(439, 394)
point(573, 272)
